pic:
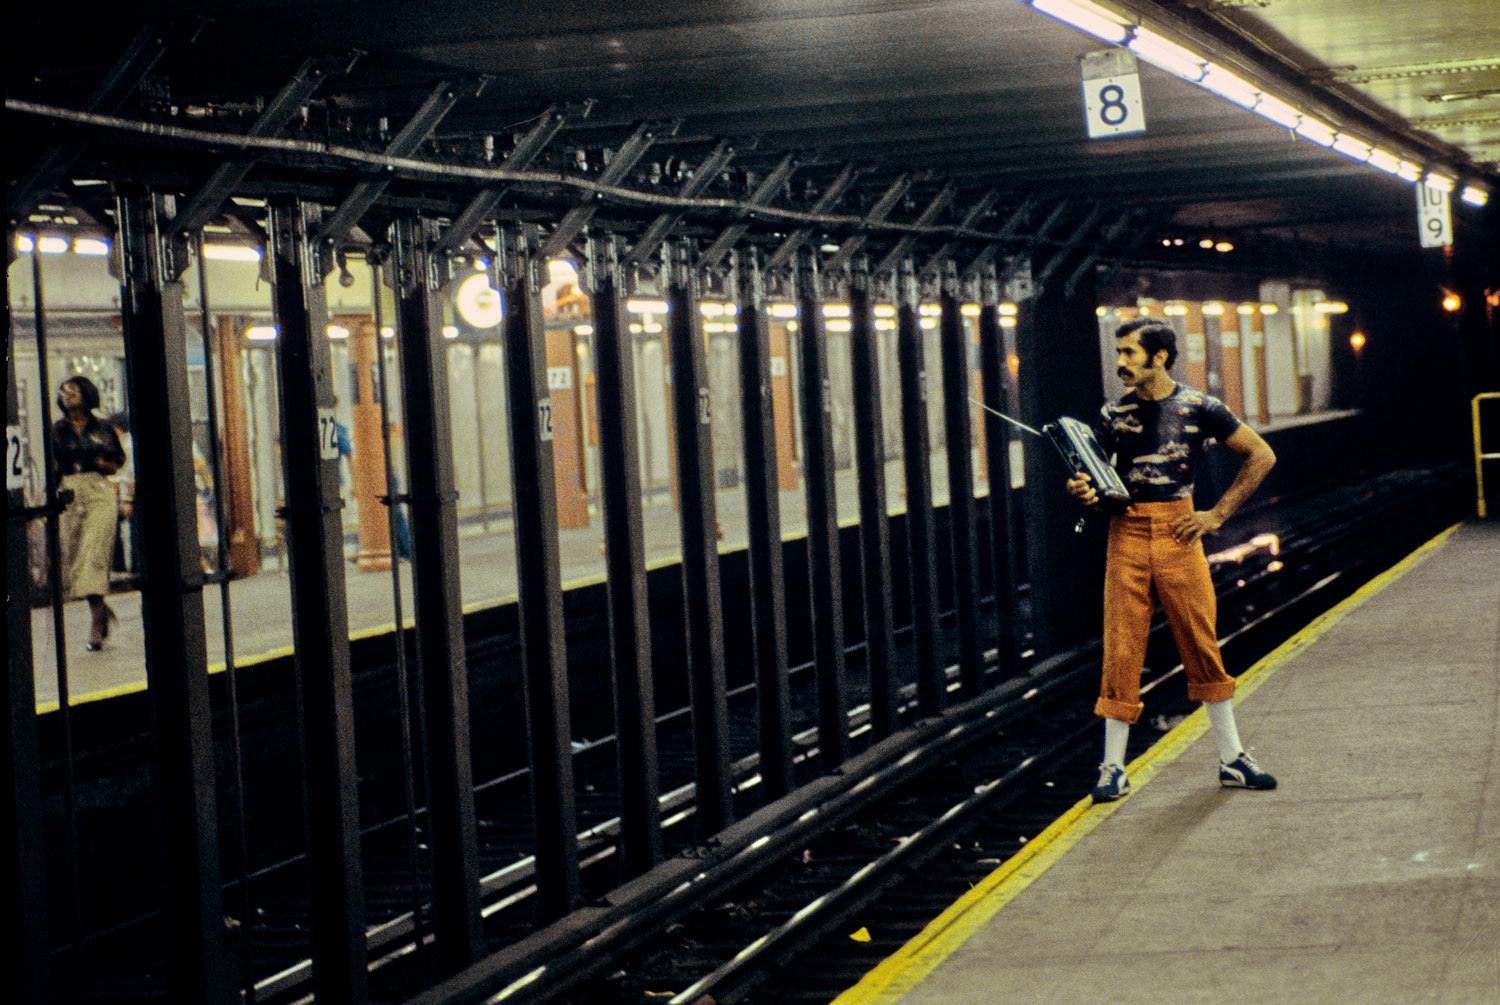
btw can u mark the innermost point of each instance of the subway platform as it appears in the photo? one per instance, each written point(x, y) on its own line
point(1372, 874)
point(260, 617)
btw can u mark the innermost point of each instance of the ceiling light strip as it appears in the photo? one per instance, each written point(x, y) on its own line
point(1185, 64)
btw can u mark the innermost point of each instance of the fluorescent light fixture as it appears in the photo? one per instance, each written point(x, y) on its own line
point(929, 310)
point(1312, 129)
point(1352, 148)
point(1087, 17)
point(1212, 309)
point(652, 327)
point(338, 332)
point(52, 245)
point(24, 244)
point(1206, 244)
point(1007, 310)
point(450, 331)
point(231, 253)
point(1008, 322)
point(884, 311)
point(835, 310)
point(969, 310)
point(1277, 111)
point(1230, 85)
point(1176, 310)
point(711, 310)
point(1331, 307)
point(646, 306)
point(1223, 246)
point(885, 325)
point(1166, 55)
point(1384, 160)
point(782, 310)
point(1409, 171)
point(387, 332)
point(90, 247)
point(583, 330)
point(1268, 308)
point(1475, 196)
point(838, 325)
point(928, 323)
point(1246, 309)
point(1434, 180)
point(261, 333)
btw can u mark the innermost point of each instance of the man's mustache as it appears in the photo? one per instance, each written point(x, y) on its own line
point(1123, 371)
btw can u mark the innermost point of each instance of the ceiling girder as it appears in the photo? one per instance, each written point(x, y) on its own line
point(140, 56)
point(877, 214)
point(703, 176)
point(467, 223)
point(205, 203)
point(440, 100)
point(830, 197)
point(764, 192)
point(620, 165)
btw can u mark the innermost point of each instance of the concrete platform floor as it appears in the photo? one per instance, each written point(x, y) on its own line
point(1372, 874)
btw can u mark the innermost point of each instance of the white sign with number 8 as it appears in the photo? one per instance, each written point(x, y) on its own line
point(1112, 94)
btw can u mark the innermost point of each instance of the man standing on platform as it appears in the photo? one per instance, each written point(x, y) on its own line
point(1157, 433)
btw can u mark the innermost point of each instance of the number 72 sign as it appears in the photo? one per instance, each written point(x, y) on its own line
point(1112, 94)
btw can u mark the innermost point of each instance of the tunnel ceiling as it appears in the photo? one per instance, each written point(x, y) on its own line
point(967, 97)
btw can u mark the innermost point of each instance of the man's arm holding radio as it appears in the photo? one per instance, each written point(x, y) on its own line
point(1258, 459)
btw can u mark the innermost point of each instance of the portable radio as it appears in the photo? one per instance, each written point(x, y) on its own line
point(1080, 449)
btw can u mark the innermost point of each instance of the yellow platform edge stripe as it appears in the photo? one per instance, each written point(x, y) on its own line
point(903, 970)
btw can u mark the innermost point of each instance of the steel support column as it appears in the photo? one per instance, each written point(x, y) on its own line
point(320, 616)
point(996, 380)
point(763, 527)
point(701, 586)
point(874, 525)
point(920, 533)
point(625, 569)
point(172, 599)
point(824, 567)
point(27, 951)
point(539, 579)
point(961, 519)
point(433, 502)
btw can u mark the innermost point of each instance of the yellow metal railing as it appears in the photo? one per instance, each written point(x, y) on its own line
point(1479, 455)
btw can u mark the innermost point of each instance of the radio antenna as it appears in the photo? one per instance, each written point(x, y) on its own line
point(1013, 422)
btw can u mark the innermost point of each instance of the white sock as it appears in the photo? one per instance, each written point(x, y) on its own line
point(1115, 735)
point(1221, 714)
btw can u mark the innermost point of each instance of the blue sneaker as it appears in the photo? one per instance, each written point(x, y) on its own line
point(1244, 773)
point(1112, 784)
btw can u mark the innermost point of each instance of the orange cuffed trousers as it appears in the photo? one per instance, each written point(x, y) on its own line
point(1145, 562)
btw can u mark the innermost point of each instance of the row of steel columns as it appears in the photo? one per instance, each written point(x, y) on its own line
point(172, 585)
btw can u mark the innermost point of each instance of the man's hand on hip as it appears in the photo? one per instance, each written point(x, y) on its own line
point(1191, 526)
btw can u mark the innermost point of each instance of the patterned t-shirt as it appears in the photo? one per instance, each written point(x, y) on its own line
point(1158, 444)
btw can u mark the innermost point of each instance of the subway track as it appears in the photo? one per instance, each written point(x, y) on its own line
point(813, 924)
point(875, 860)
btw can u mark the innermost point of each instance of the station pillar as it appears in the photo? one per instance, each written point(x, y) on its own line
point(1057, 342)
point(374, 554)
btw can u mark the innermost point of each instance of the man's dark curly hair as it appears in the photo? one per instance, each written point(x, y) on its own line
point(1155, 336)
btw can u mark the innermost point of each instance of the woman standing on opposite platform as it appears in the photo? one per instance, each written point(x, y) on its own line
point(87, 451)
